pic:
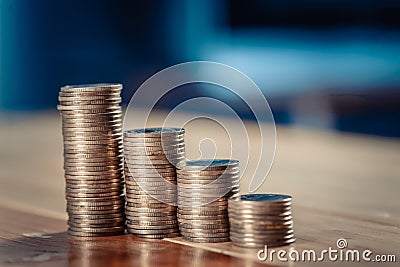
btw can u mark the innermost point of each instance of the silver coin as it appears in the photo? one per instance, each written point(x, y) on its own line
point(83, 211)
point(93, 189)
point(92, 155)
point(151, 232)
point(213, 164)
point(203, 217)
point(265, 198)
point(151, 181)
point(151, 189)
point(90, 108)
point(95, 88)
point(88, 195)
point(102, 160)
point(156, 139)
point(205, 174)
point(83, 94)
point(86, 168)
point(150, 209)
point(151, 171)
point(204, 234)
point(90, 112)
point(85, 116)
point(168, 198)
point(102, 120)
point(262, 234)
point(106, 136)
point(155, 146)
point(200, 213)
point(156, 181)
point(98, 229)
point(262, 228)
point(94, 173)
point(94, 178)
point(95, 204)
point(151, 227)
point(151, 162)
point(94, 225)
point(151, 221)
point(207, 231)
point(230, 178)
point(72, 132)
point(77, 102)
point(91, 234)
point(149, 132)
point(147, 205)
point(238, 209)
point(208, 239)
point(130, 214)
point(69, 125)
point(265, 216)
point(198, 221)
point(96, 217)
point(79, 97)
point(267, 220)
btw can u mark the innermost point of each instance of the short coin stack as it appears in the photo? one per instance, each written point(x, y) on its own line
point(93, 162)
point(204, 187)
point(261, 219)
point(150, 158)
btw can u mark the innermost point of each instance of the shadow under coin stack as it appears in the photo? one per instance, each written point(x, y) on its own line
point(261, 219)
point(204, 187)
point(150, 158)
point(93, 161)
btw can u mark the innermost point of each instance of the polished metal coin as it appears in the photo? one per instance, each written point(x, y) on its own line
point(214, 164)
point(207, 239)
point(150, 132)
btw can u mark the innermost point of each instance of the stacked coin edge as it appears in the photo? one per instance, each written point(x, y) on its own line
point(92, 137)
point(150, 155)
point(261, 219)
point(204, 187)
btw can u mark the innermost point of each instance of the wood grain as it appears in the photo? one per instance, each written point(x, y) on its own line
point(343, 186)
point(27, 239)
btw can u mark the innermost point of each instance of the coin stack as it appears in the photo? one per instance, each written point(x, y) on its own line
point(93, 161)
point(261, 219)
point(204, 187)
point(150, 158)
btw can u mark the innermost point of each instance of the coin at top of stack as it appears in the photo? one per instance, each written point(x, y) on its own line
point(93, 161)
point(204, 187)
point(150, 158)
point(261, 219)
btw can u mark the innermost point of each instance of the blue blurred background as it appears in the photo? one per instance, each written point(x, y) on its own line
point(322, 64)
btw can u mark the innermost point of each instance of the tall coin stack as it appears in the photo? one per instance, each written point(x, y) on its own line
point(204, 187)
point(261, 219)
point(93, 159)
point(150, 158)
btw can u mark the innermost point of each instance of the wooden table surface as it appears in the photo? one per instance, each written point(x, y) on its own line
point(343, 186)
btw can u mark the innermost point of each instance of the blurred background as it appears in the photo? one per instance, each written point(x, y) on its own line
point(321, 64)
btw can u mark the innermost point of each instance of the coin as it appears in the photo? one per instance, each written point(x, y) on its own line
point(92, 234)
point(92, 134)
point(213, 164)
point(155, 132)
point(207, 239)
point(261, 219)
point(149, 158)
